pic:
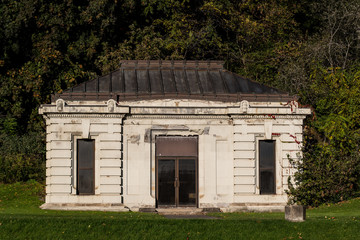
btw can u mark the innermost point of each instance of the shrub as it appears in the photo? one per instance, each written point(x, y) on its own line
point(22, 158)
point(324, 178)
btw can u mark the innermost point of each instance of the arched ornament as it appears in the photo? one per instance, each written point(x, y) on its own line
point(60, 104)
point(111, 104)
point(294, 105)
point(244, 106)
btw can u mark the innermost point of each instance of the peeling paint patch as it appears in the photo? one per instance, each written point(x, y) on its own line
point(183, 127)
point(198, 131)
point(158, 127)
point(134, 139)
point(206, 130)
point(147, 135)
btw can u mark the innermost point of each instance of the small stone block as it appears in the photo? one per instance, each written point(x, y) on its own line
point(295, 213)
point(211, 210)
point(148, 210)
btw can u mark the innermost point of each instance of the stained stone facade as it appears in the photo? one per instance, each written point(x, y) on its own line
point(157, 134)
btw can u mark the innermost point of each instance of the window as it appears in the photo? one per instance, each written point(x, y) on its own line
point(85, 166)
point(267, 166)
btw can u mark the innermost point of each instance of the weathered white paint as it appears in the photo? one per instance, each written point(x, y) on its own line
point(124, 133)
point(244, 154)
point(244, 163)
point(110, 180)
point(244, 180)
point(224, 168)
point(268, 125)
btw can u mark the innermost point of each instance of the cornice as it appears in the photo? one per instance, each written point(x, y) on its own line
point(178, 117)
point(85, 115)
point(215, 116)
point(270, 116)
point(171, 116)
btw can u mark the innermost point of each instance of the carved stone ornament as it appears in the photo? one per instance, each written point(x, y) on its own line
point(60, 105)
point(111, 104)
point(244, 106)
point(294, 105)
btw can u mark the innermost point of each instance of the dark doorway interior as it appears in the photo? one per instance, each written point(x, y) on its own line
point(85, 166)
point(267, 166)
point(176, 167)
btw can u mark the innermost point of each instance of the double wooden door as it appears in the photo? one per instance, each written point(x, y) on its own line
point(176, 181)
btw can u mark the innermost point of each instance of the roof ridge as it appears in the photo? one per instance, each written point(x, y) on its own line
point(171, 64)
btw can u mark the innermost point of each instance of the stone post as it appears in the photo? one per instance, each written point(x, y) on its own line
point(295, 213)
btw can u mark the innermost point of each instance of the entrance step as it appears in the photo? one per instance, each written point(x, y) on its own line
point(190, 217)
point(186, 211)
point(147, 210)
point(180, 211)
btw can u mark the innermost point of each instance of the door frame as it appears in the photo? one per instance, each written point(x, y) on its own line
point(177, 159)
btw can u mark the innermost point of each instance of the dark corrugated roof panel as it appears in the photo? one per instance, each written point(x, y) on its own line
point(140, 80)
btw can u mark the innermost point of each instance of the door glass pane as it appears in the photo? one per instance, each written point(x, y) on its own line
point(267, 153)
point(187, 182)
point(85, 166)
point(85, 181)
point(166, 179)
point(267, 182)
point(267, 166)
point(86, 154)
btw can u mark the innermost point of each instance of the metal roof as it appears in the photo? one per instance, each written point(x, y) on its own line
point(141, 80)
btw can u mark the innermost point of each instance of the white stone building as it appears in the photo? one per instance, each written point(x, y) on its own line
point(157, 134)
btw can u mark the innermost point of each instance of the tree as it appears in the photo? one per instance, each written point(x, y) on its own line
point(330, 168)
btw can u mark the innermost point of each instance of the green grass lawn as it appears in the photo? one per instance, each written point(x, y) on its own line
point(21, 218)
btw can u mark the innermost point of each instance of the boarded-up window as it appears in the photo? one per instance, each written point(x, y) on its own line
point(267, 166)
point(85, 166)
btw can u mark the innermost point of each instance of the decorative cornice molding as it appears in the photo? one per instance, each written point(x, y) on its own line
point(170, 116)
point(268, 116)
point(85, 115)
point(215, 116)
point(178, 117)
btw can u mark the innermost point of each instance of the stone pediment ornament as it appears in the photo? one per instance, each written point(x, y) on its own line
point(294, 105)
point(244, 106)
point(60, 105)
point(111, 104)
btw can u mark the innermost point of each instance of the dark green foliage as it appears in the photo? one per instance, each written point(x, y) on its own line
point(22, 158)
point(322, 178)
point(326, 75)
point(330, 168)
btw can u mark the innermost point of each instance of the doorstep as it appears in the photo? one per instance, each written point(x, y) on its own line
point(186, 211)
point(85, 207)
point(180, 211)
point(202, 216)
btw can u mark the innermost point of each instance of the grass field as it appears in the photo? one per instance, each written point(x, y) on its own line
point(21, 218)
